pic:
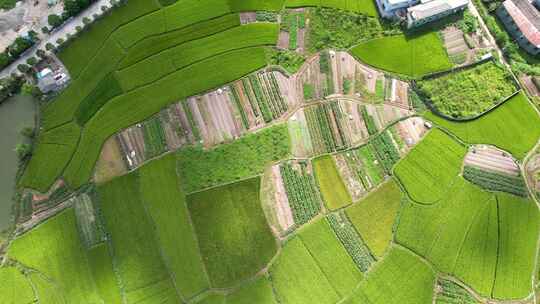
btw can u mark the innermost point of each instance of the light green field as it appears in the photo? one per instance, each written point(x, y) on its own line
point(333, 190)
point(519, 224)
point(128, 109)
point(298, 279)
point(55, 250)
point(336, 264)
point(430, 167)
point(165, 202)
point(16, 288)
point(137, 255)
point(255, 5)
point(400, 278)
point(232, 231)
point(514, 127)
point(374, 217)
point(53, 151)
point(413, 56)
point(366, 7)
point(259, 291)
point(101, 267)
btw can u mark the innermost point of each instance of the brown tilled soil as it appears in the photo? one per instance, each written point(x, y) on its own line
point(111, 162)
point(283, 40)
point(132, 145)
point(491, 159)
point(248, 17)
point(282, 207)
point(411, 131)
point(356, 126)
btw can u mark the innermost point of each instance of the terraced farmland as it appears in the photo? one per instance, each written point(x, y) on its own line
point(185, 163)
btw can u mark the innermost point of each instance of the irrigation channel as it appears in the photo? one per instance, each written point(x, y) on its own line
point(15, 114)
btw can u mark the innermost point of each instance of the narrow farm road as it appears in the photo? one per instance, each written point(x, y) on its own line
point(67, 28)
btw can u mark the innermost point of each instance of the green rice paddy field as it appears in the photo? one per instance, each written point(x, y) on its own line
point(412, 56)
point(189, 227)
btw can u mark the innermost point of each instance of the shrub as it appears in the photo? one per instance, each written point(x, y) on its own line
point(23, 68)
point(31, 61)
point(54, 20)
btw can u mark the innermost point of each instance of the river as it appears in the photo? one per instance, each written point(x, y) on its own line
point(15, 114)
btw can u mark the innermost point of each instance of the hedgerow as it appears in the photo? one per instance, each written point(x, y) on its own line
point(496, 181)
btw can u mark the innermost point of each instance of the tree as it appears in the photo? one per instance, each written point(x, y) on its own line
point(31, 61)
point(23, 68)
point(54, 20)
point(23, 150)
point(41, 53)
point(45, 30)
point(86, 21)
point(19, 46)
point(5, 59)
point(49, 46)
point(31, 90)
point(60, 41)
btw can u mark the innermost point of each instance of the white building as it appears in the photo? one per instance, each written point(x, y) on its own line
point(394, 8)
point(429, 11)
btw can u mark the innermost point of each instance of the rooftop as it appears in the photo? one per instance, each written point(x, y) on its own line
point(526, 17)
point(435, 7)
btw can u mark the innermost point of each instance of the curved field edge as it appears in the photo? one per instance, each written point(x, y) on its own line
point(514, 127)
point(398, 54)
point(134, 106)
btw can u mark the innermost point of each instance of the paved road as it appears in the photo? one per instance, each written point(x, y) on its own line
point(67, 28)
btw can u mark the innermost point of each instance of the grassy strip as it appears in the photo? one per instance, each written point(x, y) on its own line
point(135, 106)
point(387, 154)
point(365, 7)
point(165, 201)
point(154, 138)
point(452, 293)
point(233, 95)
point(350, 239)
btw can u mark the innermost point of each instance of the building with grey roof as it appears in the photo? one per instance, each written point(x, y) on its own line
point(522, 20)
point(429, 11)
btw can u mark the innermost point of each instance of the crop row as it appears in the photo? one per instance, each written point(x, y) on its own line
point(386, 151)
point(301, 191)
point(326, 127)
point(154, 138)
point(326, 68)
point(496, 181)
point(351, 240)
point(233, 95)
point(368, 120)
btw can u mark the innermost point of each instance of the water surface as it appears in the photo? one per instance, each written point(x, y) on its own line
point(15, 114)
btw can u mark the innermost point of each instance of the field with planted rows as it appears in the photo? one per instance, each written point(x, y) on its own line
point(333, 190)
point(496, 181)
point(351, 240)
point(143, 274)
point(334, 261)
point(258, 291)
point(298, 279)
point(302, 191)
point(469, 92)
point(374, 216)
point(401, 277)
point(17, 288)
point(503, 127)
point(233, 235)
point(430, 167)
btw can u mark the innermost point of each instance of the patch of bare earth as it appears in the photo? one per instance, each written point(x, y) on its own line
point(355, 187)
point(492, 159)
point(111, 162)
point(132, 145)
point(283, 40)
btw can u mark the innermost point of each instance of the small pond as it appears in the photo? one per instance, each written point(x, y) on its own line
point(15, 114)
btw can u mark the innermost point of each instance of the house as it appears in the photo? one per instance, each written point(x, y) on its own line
point(48, 81)
point(522, 20)
point(429, 11)
point(392, 9)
